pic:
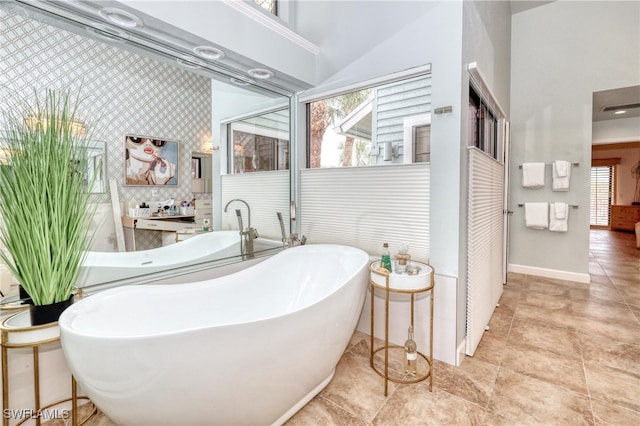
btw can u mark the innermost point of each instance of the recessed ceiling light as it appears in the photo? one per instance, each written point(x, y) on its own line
point(620, 111)
point(121, 18)
point(208, 52)
point(260, 73)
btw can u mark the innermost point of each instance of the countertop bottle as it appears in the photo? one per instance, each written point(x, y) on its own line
point(411, 355)
point(385, 258)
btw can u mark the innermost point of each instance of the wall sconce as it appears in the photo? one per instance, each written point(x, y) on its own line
point(208, 147)
point(389, 151)
point(77, 127)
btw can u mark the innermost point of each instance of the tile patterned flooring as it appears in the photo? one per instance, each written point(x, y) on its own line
point(556, 353)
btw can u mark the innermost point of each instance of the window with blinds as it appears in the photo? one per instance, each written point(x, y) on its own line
point(602, 185)
point(483, 125)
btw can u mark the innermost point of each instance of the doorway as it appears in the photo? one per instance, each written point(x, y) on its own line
point(615, 154)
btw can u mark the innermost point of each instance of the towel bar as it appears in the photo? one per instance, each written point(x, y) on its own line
point(575, 206)
point(549, 164)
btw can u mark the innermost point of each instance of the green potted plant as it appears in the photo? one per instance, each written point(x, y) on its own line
point(44, 201)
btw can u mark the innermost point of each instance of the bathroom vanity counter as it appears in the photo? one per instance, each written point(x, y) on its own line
point(168, 225)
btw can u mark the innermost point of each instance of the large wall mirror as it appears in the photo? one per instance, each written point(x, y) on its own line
point(137, 83)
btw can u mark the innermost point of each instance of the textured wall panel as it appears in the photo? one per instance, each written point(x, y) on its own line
point(123, 93)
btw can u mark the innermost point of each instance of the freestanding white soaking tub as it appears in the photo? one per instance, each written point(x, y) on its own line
point(102, 267)
point(249, 348)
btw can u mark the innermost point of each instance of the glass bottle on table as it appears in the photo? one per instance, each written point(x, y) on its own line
point(385, 258)
point(411, 355)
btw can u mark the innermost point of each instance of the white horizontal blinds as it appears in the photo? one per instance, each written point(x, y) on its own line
point(601, 195)
point(365, 207)
point(485, 229)
point(265, 192)
point(396, 101)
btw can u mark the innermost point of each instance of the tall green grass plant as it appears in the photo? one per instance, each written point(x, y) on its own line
point(44, 197)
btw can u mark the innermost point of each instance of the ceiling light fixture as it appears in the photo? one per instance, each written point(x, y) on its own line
point(621, 111)
point(260, 73)
point(121, 18)
point(208, 52)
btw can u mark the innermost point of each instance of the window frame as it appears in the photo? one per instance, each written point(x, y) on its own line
point(416, 73)
point(256, 130)
point(410, 124)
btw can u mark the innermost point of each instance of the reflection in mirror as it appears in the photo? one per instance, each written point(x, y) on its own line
point(260, 143)
point(257, 172)
point(134, 84)
point(94, 170)
point(201, 172)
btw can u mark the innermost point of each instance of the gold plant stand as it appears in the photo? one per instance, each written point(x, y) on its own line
point(16, 332)
point(404, 284)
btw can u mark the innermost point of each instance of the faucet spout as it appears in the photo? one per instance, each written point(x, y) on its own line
point(246, 235)
point(245, 203)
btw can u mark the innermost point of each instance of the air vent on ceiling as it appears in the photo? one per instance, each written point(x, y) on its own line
point(619, 107)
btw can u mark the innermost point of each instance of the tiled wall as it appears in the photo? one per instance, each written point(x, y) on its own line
point(123, 93)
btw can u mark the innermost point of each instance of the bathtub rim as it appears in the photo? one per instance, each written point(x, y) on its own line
point(150, 277)
point(65, 326)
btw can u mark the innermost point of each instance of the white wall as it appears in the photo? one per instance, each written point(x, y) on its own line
point(561, 53)
point(620, 130)
point(363, 23)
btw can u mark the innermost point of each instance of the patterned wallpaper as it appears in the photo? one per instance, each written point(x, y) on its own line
point(123, 93)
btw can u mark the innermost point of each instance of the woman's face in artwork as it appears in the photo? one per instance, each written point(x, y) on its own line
point(144, 149)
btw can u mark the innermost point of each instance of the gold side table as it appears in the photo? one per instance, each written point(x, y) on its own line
point(16, 331)
point(413, 285)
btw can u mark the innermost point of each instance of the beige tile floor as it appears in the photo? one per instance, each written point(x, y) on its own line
point(556, 353)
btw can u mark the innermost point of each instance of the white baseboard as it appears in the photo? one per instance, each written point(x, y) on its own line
point(550, 273)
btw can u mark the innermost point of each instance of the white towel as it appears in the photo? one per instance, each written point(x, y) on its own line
point(561, 167)
point(533, 175)
point(556, 223)
point(560, 210)
point(560, 183)
point(536, 215)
